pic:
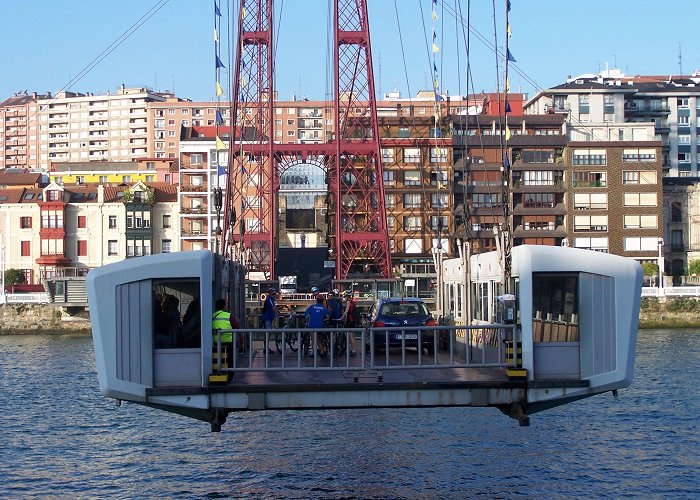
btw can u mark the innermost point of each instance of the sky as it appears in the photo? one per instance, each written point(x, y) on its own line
point(68, 44)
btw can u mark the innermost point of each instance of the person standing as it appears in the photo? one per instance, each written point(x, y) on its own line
point(221, 320)
point(351, 316)
point(269, 313)
point(315, 317)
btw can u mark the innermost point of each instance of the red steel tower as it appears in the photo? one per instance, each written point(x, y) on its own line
point(358, 229)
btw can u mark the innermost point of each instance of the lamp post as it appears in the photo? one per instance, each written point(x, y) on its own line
point(660, 263)
point(2, 267)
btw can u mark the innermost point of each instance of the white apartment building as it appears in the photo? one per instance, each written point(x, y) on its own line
point(86, 127)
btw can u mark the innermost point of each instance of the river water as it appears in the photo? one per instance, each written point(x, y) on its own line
point(61, 438)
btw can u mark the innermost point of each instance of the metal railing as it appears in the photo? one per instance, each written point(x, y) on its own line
point(24, 298)
point(671, 291)
point(382, 348)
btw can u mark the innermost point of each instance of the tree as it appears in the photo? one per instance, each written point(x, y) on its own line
point(694, 267)
point(650, 269)
point(14, 277)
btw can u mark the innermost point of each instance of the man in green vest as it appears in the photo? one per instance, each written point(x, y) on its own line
point(221, 320)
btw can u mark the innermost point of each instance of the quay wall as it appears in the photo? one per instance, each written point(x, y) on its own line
point(17, 319)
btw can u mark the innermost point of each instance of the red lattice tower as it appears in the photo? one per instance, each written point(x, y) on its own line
point(359, 239)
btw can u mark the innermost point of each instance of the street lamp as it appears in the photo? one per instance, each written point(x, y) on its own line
point(660, 242)
point(2, 267)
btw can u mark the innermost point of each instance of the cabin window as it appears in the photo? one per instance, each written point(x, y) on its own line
point(555, 307)
point(176, 314)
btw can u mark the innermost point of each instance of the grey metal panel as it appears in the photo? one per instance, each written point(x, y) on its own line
point(133, 340)
point(598, 325)
point(76, 290)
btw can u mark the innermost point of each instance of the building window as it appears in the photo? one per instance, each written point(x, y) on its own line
point(411, 155)
point(52, 219)
point(388, 177)
point(439, 200)
point(103, 179)
point(589, 157)
point(584, 104)
point(166, 221)
point(25, 248)
point(440, 177)
point(639, 244)
point(589, 179)
point(413, 245)
point(25, 222)
point(638, 177)
point(676, 212)
point(538, 200)
point(640, 222)
point(404, 132)
point(112, 222)
point(412, 200)
point(438, 223)
point(682, 102)
point(388, 155)
point(683, 121)
point(596, 244)
point(634, 154)
point(82, 222)
point(590, 201)
point(53, 195)
point(390, 200)
point(608, 104)
point(82, 248)
point(590, 222)
point(640, 199)
point(486, 200)
point(112, 247)
point(165, 246)
point(683, 157)
point(411, 178)
point(412, 223)
point(438, 155)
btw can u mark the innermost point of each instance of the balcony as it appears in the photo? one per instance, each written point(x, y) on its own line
point(634, 109)
point(193, 188)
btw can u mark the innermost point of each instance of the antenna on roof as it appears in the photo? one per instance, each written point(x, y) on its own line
point(680, 59)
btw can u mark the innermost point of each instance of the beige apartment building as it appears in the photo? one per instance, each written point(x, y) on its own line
point(71, 126)
point(47, 230)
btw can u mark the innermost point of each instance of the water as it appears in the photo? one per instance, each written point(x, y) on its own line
point(60, 438)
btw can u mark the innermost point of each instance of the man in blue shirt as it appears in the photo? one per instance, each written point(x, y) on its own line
point(269, 313)
point(315, 316)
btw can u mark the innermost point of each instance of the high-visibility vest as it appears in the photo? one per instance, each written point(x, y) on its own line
point(222, 321)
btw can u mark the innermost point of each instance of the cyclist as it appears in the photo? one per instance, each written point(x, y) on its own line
point(315, 317)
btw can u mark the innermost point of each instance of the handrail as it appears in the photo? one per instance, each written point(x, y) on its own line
point(443, 347)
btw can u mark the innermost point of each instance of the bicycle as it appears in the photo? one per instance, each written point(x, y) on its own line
point(289, 332)
point(340, 339)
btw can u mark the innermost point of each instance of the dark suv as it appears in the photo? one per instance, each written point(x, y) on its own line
point(400, 312)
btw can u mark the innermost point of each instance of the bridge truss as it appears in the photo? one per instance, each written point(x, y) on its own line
point(358, 238)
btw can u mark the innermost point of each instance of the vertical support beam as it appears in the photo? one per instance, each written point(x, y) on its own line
point(361, 241)
point(251, 213)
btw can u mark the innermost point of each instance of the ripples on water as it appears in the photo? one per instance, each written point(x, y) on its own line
point(61, 438)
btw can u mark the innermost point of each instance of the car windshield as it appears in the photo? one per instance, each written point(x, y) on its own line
point(395, 309)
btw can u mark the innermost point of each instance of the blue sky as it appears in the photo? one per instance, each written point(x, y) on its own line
point(46, 44)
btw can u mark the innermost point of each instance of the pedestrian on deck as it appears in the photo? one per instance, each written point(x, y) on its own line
point(269, 313)
point(222, 320)
point(351, 315)
point(316, 315)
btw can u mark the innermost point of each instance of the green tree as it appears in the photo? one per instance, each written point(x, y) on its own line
point(650, 269)
point(694, 267)
point(14, 277)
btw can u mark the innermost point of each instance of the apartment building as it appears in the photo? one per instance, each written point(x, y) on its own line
point(36, 130)
point(19, 131)
point(670, 103)
point(682, 226)
point(147, 170)
point(603, 195)
point(49, 229)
